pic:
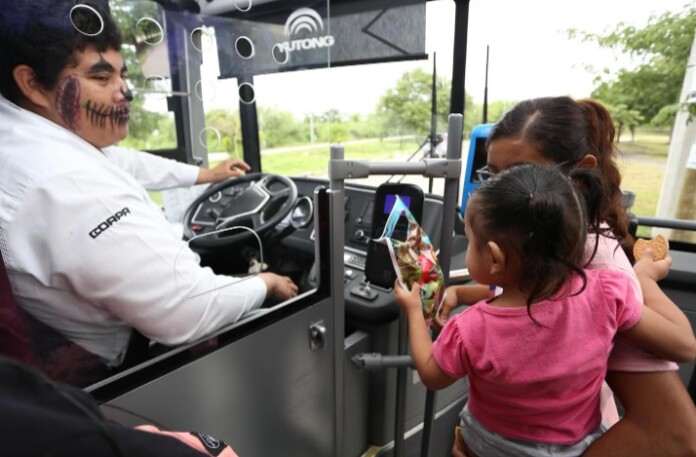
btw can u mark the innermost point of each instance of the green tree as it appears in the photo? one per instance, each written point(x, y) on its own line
point(332, 132)
point(666, 116)
point(624, 117)
point(280, 128)
point(227, 124)
point(662, 47)
point(473, 114)
point(408, 104)
point(126, 14)
point(332, 115)
point(367, 126)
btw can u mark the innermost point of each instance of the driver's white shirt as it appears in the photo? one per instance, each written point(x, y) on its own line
point(90, 254)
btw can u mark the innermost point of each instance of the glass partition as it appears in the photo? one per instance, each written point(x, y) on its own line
point(313, 73)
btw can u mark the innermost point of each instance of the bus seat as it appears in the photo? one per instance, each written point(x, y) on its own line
point(31, 342)
point(14, 341)
point(61, 359)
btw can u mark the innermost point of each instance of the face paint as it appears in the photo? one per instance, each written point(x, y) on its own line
point(100, 114)
point(68, 102)
point(127, 95)
point(93, 97)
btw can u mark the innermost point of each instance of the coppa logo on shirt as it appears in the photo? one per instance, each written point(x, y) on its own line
point(101, 228)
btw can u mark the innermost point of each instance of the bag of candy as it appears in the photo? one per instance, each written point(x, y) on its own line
point(414, 259)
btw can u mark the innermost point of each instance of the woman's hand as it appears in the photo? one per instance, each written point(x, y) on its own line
point(652, 269)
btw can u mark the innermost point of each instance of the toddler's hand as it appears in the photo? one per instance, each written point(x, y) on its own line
point(408, 301)
point(448, 304)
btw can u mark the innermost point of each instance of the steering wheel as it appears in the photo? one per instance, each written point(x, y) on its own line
point(258, 201)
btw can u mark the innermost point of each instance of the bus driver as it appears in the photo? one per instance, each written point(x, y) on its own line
point(87, 251)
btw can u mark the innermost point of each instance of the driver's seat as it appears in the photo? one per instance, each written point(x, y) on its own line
point(30, 341)
point(14, 341)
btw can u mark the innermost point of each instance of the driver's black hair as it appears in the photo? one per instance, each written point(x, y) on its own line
point(41, 35)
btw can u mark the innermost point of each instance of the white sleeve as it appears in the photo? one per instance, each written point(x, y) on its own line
point(112, 248)
point(151, 171)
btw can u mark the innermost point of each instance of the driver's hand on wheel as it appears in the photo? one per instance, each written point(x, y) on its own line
point(226, 169)
point(279, 287)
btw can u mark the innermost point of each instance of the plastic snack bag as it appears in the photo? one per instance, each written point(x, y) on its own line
point(414, 259)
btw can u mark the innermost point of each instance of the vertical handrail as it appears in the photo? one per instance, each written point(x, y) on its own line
point(341, 169)
point(336, 248)
point(401, 379)
point(454, 152)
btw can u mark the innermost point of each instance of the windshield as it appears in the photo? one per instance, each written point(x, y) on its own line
point(276, 84)
point(355, 95)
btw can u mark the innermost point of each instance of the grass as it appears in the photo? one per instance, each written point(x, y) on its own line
point(649, 149)
point(314, 162)
point(651, 143)
point(642, 165)
point(645, 180)
point(641, 162)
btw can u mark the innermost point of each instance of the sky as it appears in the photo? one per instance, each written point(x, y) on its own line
point(530, 52)
point(530, 55)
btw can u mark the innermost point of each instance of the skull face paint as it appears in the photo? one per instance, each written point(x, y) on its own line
point(68, 102)
point(93, 99)
point(100, 115)
point(127, 95)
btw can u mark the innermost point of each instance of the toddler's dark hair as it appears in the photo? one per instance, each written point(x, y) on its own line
point(537, 211)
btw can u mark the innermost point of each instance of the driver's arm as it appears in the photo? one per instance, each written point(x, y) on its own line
point(158, 173)
point(153, 172)
point(231, 168)
point(109, 246)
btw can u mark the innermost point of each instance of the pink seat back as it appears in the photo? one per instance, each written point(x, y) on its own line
point(30, 341)
point(14, 341)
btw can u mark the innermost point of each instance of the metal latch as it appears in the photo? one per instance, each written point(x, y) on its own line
point(317, 335)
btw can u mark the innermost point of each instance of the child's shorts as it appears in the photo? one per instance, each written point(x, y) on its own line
point(481, 442)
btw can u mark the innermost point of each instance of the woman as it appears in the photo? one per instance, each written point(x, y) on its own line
point(660, 416)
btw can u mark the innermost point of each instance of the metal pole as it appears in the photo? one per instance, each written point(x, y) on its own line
point(339, 170)
point(248, 119)
point(679, 182)
point(485, 91)
point(461, 31)
point(401, 376)
point(336, 209)
point(454, 152)
point(433, 118)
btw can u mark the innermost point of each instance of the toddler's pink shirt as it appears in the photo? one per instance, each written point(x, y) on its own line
point(540, 382)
